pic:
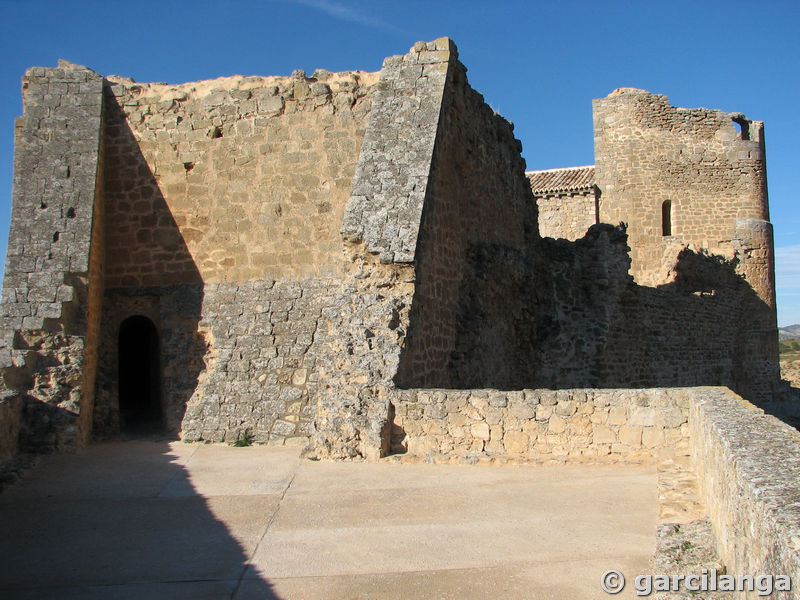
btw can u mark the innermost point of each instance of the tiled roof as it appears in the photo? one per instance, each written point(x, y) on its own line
point(561, 180)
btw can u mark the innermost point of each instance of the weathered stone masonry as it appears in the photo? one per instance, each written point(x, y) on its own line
point(692, 177)
point(216, 190)
point(358, 263)
point(53, 278)
point(466, 424)
point(305, 246)
point(566, 200)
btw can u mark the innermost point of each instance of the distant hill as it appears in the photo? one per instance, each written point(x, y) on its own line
point(791, 332)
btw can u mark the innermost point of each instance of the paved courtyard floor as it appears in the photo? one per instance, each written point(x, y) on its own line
point(152, 520)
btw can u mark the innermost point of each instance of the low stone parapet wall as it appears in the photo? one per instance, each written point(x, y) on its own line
point(748, 465)
point(620, 424)
point(747, 462)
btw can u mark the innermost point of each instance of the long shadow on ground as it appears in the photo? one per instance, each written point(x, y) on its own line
point(125, 520)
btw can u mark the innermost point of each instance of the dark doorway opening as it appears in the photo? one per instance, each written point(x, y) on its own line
point(139, 377)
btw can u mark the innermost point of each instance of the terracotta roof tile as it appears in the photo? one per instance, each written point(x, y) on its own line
point(561, 180)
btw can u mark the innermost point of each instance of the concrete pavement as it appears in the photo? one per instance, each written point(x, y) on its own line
point(155, 520)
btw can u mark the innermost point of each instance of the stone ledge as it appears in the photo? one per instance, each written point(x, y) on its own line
point(621, 425)
point(747, 464)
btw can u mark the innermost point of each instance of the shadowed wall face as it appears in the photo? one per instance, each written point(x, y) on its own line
point(286, 309)
point(216, 190)
point(477, 195)
point(172, 304)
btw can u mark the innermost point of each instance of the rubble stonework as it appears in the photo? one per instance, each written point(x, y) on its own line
point(53, 265)
point(305, 246)
point(542, 423)
point(746, 463)
point(357, 263)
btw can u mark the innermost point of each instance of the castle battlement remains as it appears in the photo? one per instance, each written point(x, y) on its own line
point(299, 259)
point(359, 264)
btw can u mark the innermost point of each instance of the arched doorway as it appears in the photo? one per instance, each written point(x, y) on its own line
point(139, 376)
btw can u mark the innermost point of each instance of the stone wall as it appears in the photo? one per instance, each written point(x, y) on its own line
point(390, 185)
point(567, 215)
point(51, 273)
point(538, 318)
point(567, 314)
point(460, 184)
point(747, 464)
point(535, 424)
point(693, 178)
point(648, 152)
point(213, 191)
point(309, 248)
point(309, 340)
point(566, 201)
point(273, 357)
point(269, 356)
point(477, 196)
point(175, 311)
point(366, 330)
point(234, 179)
point(689, 332)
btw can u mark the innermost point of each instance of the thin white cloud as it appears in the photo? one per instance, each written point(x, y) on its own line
point(346, 13)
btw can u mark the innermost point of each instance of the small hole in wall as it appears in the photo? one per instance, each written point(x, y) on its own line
point(742, 126)
point(394, 322)
point(43, 205)
point(188, 166)
point(55, 236)
point(71, 213)
point(69, 172)
point(216, 133)
point(179, 119)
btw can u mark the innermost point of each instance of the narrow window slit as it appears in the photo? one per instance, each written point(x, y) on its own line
point(666, 218)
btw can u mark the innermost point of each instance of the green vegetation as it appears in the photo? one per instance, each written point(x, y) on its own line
point(245, 439)
point(789, 349)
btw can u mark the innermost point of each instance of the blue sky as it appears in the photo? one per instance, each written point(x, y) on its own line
point(538, 63)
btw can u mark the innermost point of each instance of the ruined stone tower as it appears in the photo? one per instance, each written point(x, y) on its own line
point(679, 178)
point(298, 259)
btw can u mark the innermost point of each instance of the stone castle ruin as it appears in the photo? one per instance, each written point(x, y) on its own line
point(360, 264)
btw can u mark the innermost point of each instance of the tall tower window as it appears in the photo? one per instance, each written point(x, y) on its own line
point(666, 218)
